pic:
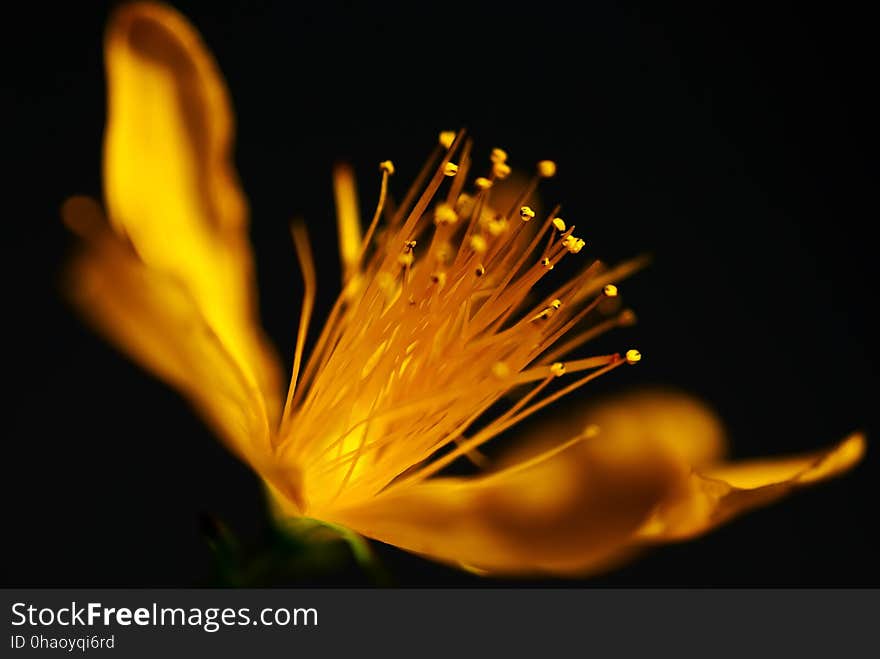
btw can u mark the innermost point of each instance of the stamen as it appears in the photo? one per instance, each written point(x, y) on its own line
point(417, 350)
point(548, 311)
point(458, 182)
point(623, 319)
point(387, 168)
point(445, 214)
point(546, 169)
point(447, 137)
point(538, 459)
point(307, 266)
point(485, 435)
point(479, 244)
point(347, 217)
point(498, 156)
point(500, 170)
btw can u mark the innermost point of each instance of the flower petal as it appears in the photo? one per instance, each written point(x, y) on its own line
point(566, 512)
point(714, 495)
point(170, 186)
point(154, 318)
point(665, 419)
point(710, 491)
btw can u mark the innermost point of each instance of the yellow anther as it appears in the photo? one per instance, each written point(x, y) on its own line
point(545, 313)
point(451, 169)
point(573, 244)
point(445, 214)
point(464, 204)
point(500, 370)
point(387, 166)
point(546, 169)
point(498, 226)
point(559, 223)
point(557, 369)
point(610, 290)
point(480, 271)
point(500, 170)
point(547, 263)
point(526, 213)
point(483, 183)
point(443, 253)
point(409, 245)
point(447, 137)
point(385, 282)
point(592, 430)
point(478, 244)
point(633, 356)
point(406, 259)
point(498, 155)
point(439, 278)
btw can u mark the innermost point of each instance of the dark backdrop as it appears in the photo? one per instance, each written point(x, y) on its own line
point(736, 144)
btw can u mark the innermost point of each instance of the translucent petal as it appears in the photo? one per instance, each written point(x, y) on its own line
point(569, 512)
point(153, 317)
point(169, 183)
point(668, 420)
point(714, 495)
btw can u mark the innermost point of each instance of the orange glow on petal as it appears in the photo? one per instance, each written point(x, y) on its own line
point(154, 318)
point(714, 495)
point(572, 512)
point(169, 183)
point(423, 357)
point(665, 420)
point(807, 468)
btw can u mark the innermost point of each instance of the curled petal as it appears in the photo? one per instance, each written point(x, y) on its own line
point(710, 491)
point(170, 186)
point(569, 511)
point(712, 496)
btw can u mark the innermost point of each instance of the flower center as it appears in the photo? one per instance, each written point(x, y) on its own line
point(441, 319)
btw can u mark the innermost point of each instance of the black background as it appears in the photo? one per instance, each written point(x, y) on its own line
point(735, 144)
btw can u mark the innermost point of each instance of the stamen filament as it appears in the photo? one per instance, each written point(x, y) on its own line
point(488, 433)
point(307, 266)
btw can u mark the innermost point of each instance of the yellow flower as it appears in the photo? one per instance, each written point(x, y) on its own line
point(438, 343)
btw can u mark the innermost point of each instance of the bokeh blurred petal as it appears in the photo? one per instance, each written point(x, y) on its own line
point(153, 317)
point(170, 186)
point(571, 512)
point(673, 422)
point(714, 495)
